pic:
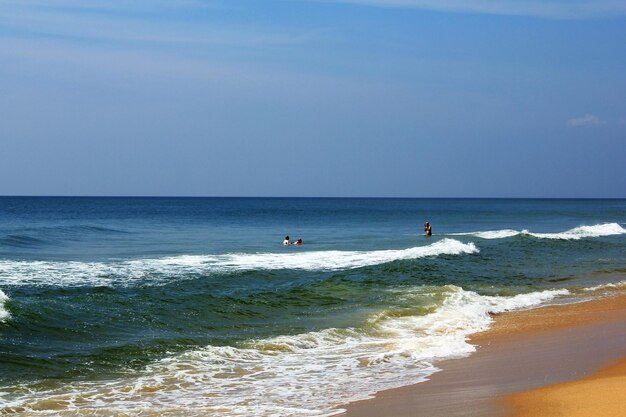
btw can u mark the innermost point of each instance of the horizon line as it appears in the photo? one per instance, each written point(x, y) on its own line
point(307, 197)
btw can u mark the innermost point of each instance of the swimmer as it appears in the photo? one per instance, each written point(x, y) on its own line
point(298, 242)
point(286, 241)
point(428, 230)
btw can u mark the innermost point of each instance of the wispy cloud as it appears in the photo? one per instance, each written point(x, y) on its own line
point(553, 9)
point(112, 5)
point(147, 22)
point(586, 120)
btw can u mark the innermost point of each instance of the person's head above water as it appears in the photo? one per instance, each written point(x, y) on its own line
point(287, 237)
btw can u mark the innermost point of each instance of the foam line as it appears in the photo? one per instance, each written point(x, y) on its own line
point(599, 230)
point(609, 286)
point(107, 273)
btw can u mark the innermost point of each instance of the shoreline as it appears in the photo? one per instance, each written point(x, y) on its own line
point(523, 350)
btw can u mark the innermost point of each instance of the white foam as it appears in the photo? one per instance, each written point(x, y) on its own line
point(330, 260)
point(491, 234)
point(599, 230)
point(609, 286)
point(108, 273)
point(308, 374)
point(4, 314)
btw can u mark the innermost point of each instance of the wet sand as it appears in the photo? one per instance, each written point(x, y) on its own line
point(522, 351)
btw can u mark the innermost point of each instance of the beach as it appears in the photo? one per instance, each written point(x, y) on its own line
point(563, 360)
point(524, 366)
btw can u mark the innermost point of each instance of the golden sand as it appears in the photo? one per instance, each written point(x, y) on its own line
point(602, 394)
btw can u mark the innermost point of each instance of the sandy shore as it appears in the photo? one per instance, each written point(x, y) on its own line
point(602, 394)
point(548, 346)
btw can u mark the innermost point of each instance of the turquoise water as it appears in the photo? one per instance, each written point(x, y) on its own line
point(192, 306)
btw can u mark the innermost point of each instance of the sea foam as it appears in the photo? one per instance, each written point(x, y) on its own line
point(305, 374)
point(610, 286)
point(4, 314)
point(125, 271)
point(599, 230)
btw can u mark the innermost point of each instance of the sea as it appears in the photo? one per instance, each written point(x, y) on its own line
point(194, 307)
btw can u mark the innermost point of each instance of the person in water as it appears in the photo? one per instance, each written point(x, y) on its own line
point(298, 242)
point(428, 230)
point(286, 241)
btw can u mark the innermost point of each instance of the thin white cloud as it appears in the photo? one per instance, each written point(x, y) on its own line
point(586, 120)
point(112, 5)
point(66, 20)
point(84, 62)
point(554, 9)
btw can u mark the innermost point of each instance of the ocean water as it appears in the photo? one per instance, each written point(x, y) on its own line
point(192, 306)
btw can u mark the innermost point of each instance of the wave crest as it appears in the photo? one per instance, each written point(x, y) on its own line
point(610, 286)
point(107, 273)
point(599, 230)
point(334, 260)
point(4, 314)
point(21, 241)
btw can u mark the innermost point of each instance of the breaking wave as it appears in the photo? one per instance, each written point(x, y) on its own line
point(306, 374)
point(610, 286)
point(106, 273)
point(599, 230)
point(4, 314)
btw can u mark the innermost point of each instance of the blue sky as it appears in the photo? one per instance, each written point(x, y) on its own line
point(313, 98)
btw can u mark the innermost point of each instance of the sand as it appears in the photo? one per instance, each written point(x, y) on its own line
point(602, 394)
point(522, 351)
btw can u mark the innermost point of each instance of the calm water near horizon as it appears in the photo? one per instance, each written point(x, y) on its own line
point(192, 306)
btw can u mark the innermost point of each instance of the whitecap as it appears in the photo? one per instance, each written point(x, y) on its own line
point(610, 286)
point(125, 271)
point(599, 230)
point(491, 234)
point(4, 314)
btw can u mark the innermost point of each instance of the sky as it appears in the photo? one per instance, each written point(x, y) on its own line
point(323, 98)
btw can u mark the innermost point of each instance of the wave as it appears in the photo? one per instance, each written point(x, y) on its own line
point(610, 286)
point(491, 234)
point(304, 374)
point(599, 230)
point(64, 229)
point(21, 241)
point(4, 314)
point(107, 273)
point(31, 237)
point(334, 260)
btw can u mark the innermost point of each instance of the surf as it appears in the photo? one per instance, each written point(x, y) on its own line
point(4, 314)
point(302, 374)
point(577, 233)
point(110, 273)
